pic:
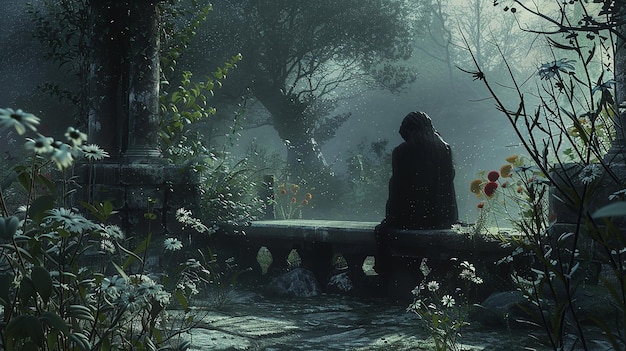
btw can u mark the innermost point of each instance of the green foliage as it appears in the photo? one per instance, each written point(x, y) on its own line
point(63, 27)
point(71, 283)
point(188, 103)
point(230, 192)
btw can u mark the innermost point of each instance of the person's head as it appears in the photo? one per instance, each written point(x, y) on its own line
point(416, 126)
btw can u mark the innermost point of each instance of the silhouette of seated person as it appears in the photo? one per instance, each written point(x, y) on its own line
point(421, 188)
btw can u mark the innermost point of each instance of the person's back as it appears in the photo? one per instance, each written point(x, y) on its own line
point(421, 189)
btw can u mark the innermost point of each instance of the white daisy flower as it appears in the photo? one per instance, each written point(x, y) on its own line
point(183, 215)
point(447, 301)
point(162, 297)
point(41, 145)
point(172, 244)
point(590, 173)
point(432, 286)
point(131, 301)
point(69, 220)
point(75, 137)
point(106, 245)
point(93, 152)
point(111, 231)
point(62, 155)
point(19, 120)
point(113, 286)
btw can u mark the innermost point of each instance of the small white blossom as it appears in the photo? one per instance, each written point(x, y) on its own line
point(432, 286)
point(62, 155)
point(106, 245)
point(131, 301)
point(70, 221)
point(111, 231)
point(424, 268)
point(18, 119)
point(617, 195)
point(41, 145)
point(590, 173)
point(447, 301)
point(172, 244)
point(93, 152)
point(113, 286)
point(75, 137)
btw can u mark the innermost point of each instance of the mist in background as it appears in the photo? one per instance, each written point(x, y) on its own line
point(479, 135)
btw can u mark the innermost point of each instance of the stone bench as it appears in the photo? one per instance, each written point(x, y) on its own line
point(319, 241)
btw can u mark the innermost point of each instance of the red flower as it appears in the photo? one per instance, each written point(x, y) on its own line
point(490, 188)
point(294, 200)
point(493, 176)
point(480, 204)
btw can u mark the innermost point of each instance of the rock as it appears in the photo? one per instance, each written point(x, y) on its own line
point(298, 282)
point(340, 283)
point(501, 309)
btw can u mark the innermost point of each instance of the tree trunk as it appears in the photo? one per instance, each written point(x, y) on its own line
point(304, 155)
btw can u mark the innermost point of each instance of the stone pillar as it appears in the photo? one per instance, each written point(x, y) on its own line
point(124, 120)
point(144, 76)
point(108, 46)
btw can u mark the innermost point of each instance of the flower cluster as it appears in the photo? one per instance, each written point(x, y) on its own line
point(133, 293)
point(61, 153)
point(439, 310)
point(509, 192)
point(497, 179)
point(289, 204)
point(186, 217)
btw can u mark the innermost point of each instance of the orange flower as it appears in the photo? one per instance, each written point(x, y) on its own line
point(475, 186)
point(520, 189)
point(308, 196)
point(283, 191)
point(490, 188)
point(294, 200)
point(505, 171)
point(512, 158)
point(481, 204)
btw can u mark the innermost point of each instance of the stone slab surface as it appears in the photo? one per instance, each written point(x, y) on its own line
point(250, 321)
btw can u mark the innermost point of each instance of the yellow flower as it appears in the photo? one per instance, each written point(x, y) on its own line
point(505, 171)
point(308, 196)
point(512, 158)
point(475, 186)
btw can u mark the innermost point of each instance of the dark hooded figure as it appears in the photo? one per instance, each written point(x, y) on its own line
point(421, 188)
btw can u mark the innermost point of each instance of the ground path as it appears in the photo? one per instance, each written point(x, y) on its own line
point(250, 321)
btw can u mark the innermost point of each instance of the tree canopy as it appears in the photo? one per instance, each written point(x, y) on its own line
point(298, 55)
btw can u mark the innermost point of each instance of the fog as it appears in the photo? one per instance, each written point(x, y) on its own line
point(461, 109)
